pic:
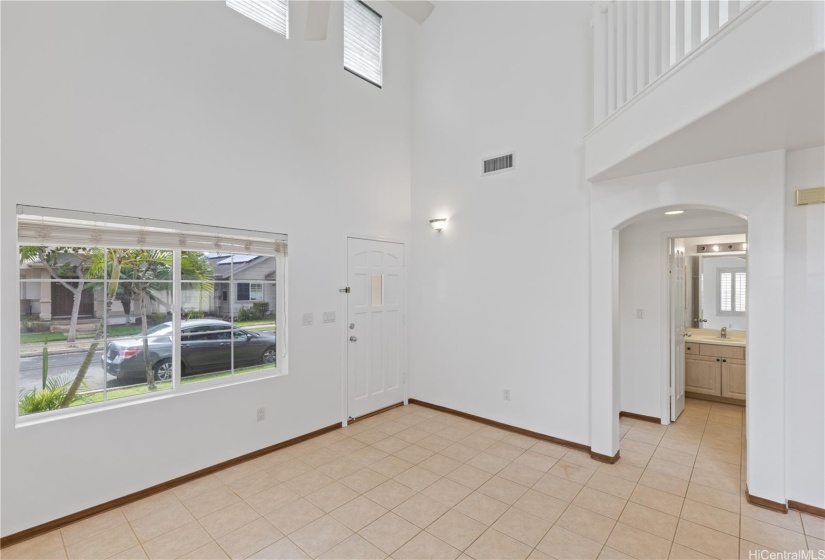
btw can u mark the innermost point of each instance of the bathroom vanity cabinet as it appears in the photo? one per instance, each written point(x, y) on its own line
point(715, 370)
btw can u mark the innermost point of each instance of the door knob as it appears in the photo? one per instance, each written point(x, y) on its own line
point(353, 338)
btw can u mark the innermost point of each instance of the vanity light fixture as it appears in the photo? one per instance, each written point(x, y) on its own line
point(723, 248)
point(674, 212)
point(438, 224)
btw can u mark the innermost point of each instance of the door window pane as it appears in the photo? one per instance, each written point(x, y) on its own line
point(377, 282)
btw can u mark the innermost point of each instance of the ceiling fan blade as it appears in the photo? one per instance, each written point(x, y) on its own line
point(418, 10)
point(317, 20)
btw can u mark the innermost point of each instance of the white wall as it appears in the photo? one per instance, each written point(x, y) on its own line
point(710, 289)
point(805, 329)
point(187, 111)
point(500, 298)
point(643, 285)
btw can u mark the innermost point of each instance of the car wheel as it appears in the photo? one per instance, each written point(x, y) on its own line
point(269, 355)
point(163, 370)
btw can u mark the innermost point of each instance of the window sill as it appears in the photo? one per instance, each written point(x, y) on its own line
point(182, 390)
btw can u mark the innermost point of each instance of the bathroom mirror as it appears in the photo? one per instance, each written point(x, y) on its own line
point(716, 287)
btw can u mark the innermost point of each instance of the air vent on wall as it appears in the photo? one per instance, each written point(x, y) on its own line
point(498, 164)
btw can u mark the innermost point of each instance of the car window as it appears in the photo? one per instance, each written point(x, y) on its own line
point(222, 335)
point(162, 329)
point(195, 333)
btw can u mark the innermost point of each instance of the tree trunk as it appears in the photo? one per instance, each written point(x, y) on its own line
point(90, 353)
point(71, 337)
point(147, 362)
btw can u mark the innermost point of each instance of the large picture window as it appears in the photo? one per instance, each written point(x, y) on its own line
point(117, 308)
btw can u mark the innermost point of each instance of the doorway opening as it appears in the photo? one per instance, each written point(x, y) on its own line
point(708, 282)
point(650, 341)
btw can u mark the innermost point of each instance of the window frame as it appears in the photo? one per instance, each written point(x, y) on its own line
point(733, 271)
point(178, 388)
point(380, 46)
point(243, 10)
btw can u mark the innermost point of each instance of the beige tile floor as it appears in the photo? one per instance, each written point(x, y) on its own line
point(413, 483)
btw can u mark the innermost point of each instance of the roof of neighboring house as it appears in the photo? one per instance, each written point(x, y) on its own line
point(223, 264)
point(61, 258)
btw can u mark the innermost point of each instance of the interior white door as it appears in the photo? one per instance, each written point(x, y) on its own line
point(678, 301)
point(375, 331)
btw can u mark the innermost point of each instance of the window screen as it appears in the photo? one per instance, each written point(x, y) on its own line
point(362, 41)
point(273, 14)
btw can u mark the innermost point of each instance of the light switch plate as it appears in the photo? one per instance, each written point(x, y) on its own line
point(309, 318)
point(640, 313)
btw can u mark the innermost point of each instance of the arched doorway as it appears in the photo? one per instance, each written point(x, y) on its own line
point(751, 187)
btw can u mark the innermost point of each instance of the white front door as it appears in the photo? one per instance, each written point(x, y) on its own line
point(677, 329)
point(375, 331)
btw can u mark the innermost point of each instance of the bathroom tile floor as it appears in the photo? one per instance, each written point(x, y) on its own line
point(414, 483)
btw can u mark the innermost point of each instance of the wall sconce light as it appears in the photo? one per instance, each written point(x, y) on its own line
point(438, 224)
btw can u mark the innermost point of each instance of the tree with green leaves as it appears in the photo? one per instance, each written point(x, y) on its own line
point(143, 274)
point(60, 262)
point(112, 262)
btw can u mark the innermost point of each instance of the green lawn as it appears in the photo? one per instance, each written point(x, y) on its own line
point(28, 338)
point(119, 393)
point(97, 395)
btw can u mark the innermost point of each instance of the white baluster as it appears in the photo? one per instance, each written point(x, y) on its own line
point(611, 57)
point(631, 48)
point(621, 52)
point(599, 63)
point(665, 36)
point(641, 46)
point(695, 24)
point(654, 34)
point(713, 17)
point(680, 30)
point(733, 9)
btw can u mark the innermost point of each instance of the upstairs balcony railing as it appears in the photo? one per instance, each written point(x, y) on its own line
point(635, 42)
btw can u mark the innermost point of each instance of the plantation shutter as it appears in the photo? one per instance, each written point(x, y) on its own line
point(362, 41)
point(741, 291)
point(49, 227)
point(273, 14)
point(725, 291)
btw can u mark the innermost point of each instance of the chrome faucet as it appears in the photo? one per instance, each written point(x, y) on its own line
point(724, 333)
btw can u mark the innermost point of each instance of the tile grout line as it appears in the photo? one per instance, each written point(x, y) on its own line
point(721, 443)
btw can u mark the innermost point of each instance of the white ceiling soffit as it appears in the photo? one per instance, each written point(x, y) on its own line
point(318, 15)
point(418, 10)
point(317, 20)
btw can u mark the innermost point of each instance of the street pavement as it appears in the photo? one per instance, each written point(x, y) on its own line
point(68, 362)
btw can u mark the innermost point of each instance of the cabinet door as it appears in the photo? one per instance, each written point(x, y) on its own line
point(733, 379)
point(703, 375)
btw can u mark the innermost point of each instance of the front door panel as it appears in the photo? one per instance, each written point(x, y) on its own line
point(375, 271)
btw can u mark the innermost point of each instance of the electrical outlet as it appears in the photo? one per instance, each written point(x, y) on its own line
point(308, 319)
point(506, 394)
point(329, 317)
point(261, 414)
